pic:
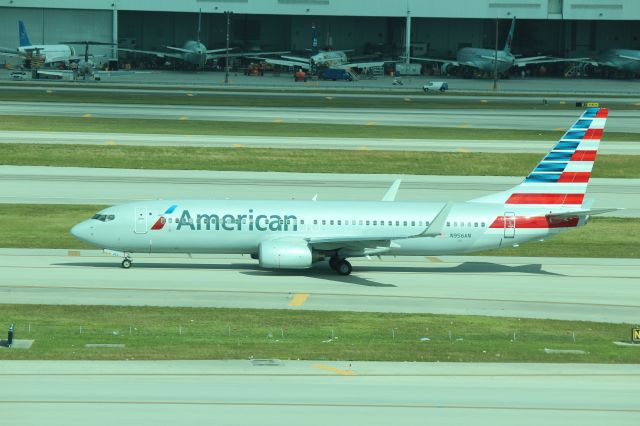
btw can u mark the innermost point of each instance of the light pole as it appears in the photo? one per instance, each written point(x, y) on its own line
point(495, 61)
point(226, 62)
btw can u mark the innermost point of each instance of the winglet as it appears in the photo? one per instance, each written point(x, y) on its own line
point(392, 191)
point(437, 225)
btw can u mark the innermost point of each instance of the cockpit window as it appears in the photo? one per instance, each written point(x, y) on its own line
point(103, 217)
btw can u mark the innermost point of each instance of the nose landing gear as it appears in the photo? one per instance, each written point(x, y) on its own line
point(126, 263)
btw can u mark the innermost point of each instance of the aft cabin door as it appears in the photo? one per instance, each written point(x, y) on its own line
point(509, 225)
point(141, 221)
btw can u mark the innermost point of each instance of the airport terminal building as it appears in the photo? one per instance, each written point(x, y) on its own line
point(560, 28)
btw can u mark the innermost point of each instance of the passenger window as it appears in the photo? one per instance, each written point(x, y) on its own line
point(302, 222)
point(367, 223)
point(375, 222)
point(413, 223)
point(361, 223)
point(397, 223)
point(404, 223)
point(448, 223)
point(324, 222)
point(426, 223)
point(455, 224)
point(420, 223)
point(315, 221)
point(339, 222)
point(475, 224)
point(461, 224)
point(483, 224)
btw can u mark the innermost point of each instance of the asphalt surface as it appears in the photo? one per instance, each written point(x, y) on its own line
point(619, 121)
point(558, 288)
point(75, 185)
point(211, 141)
point(570, 88)
point(315, 393)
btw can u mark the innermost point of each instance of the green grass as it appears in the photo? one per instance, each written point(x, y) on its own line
point(305, 161)
point(235, 128)
point(409, 101)
point(602, 237)
point(153, 333)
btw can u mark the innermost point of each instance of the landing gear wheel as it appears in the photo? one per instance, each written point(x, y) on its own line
point(333, 263)
point(343, 267)
point(126, 263)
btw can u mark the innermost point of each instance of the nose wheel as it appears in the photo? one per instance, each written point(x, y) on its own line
point(126, 263)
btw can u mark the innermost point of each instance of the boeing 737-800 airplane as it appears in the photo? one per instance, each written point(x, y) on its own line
point(295, 234)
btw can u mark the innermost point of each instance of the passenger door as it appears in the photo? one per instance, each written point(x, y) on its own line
point(141, 221)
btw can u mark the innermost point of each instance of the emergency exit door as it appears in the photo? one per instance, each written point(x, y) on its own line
point(509, 225)
point(141, 220)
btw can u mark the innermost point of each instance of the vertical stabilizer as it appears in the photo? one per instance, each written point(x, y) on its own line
point(560, 180)
point(507, 44)
point(199, 25)
point(22, 34)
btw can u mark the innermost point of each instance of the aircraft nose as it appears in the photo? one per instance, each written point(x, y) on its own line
point(82, 231)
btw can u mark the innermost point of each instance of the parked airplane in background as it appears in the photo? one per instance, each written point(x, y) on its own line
point(621, 60)
point(320, 58)
point(470, 59)
point(48, 53)
point(296, 234)
point(194, 52)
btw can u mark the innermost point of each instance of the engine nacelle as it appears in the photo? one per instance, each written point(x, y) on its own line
point(285, 254)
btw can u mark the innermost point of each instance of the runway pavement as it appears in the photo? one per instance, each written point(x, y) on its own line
point(619, 121)
point(75, 185)
point(210, 141)
point(315, 393)
point(601, 290)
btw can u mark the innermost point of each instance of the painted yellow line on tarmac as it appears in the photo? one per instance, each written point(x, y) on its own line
point(363, 148)
point(559, 129)
point(189, 94)
point(464, 126)
point(73, 253)
point(434, 259)
point(111, 142)
point(407, 99)
point(371, 123)
point(184, 118)
point(238, 145)
point(334, 370)
point(87, 115)
point(298, 299)
point(49, 91)
point(484, 101)
point(328, 97)
point(278, 120)
point(462, 150)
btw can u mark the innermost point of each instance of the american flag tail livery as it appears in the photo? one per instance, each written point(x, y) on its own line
point(559, 182)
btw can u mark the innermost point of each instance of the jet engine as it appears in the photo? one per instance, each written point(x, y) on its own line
point(285, 254)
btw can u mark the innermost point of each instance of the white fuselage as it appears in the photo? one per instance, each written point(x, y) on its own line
point(483, 59)
point(51, 53)
point(329, 58)
point(224, 226)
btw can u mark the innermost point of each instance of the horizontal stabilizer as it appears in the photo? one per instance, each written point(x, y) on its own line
point(590, 212)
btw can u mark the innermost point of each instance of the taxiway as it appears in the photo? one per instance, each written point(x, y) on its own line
point(556, 288)
point(77, 185)
point(273, 392)
point(282, 142)
point(620, 120)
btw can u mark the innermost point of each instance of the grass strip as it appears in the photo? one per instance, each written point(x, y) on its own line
point(235, 128)
point(417, 100)
point(602, 237)
point(154, 333)
point(303, 160)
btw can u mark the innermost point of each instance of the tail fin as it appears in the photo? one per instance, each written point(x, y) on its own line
point(561, 178)
point(314, 39)
point(22, 34)
point(507, 44)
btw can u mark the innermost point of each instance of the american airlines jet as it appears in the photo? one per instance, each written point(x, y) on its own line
point(296, 234)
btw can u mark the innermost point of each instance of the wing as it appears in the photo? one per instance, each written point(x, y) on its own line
point(522, 62)
point(241, 54)
point(440, 61)
point(285, 63)
point(365, 245)
point(631, 58)
point(359, 65)
point(152, 52)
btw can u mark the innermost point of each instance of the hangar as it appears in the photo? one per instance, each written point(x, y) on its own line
point(551, 27)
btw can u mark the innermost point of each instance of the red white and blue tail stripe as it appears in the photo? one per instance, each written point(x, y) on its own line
point(561, 178)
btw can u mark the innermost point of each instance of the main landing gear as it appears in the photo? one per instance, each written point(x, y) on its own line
point(126, 263)
point(341, 266)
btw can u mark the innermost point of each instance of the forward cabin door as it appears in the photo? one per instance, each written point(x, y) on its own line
point(141, 221)
point(509, 225)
